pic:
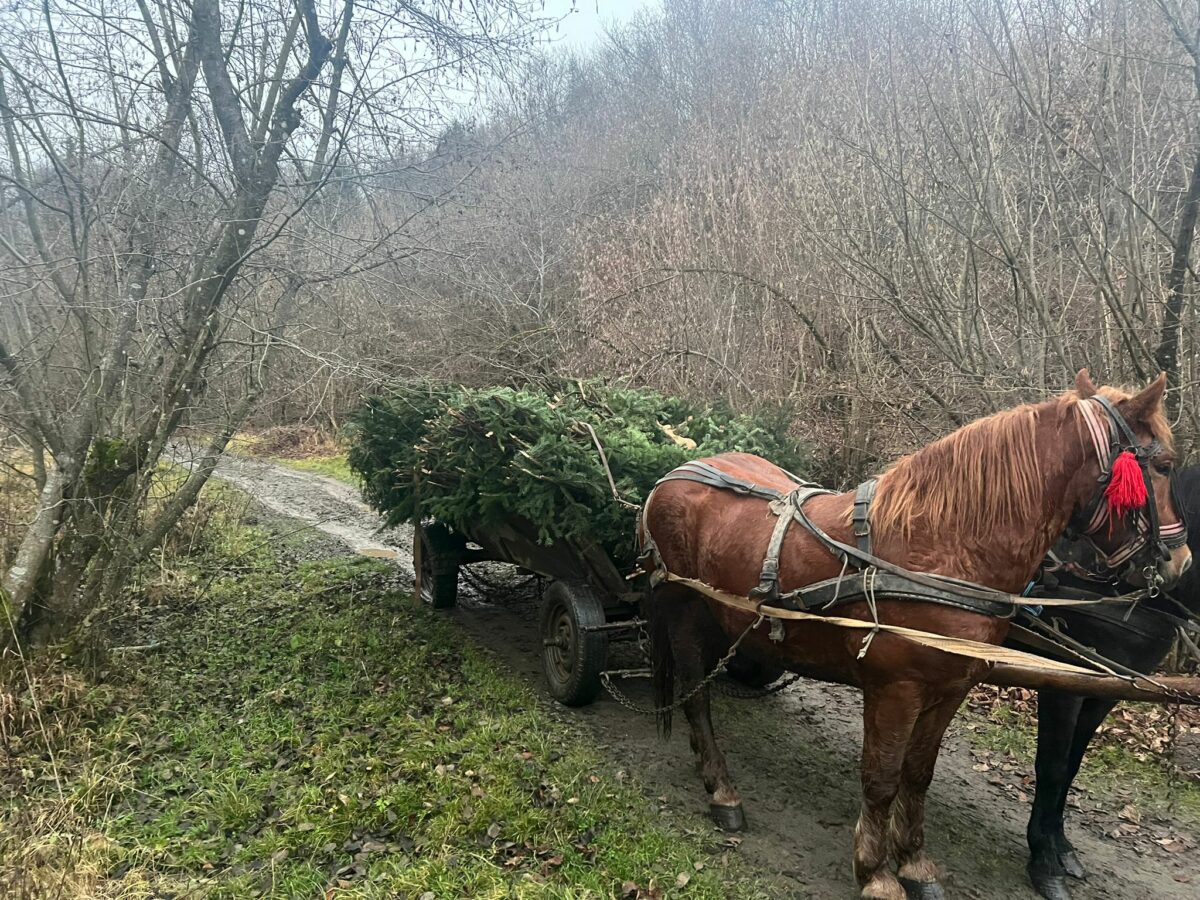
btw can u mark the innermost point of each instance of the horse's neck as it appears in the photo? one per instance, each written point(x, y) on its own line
point(1015, 550)
point(1006, 553)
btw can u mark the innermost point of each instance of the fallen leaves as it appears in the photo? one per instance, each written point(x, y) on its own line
point(631, 890)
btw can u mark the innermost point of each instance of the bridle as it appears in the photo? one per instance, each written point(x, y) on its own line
point(1111, 436)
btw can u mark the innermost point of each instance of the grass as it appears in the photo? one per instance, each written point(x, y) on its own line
point(1111, 767)
point(300, 730)
point(306, 452)
point(334, 467)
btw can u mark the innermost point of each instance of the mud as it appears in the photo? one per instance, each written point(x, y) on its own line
point(793, 755)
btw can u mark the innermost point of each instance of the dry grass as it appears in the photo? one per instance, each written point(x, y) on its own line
point(287, 442)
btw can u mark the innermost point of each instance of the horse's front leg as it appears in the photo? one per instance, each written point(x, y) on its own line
point(1092, 714)
point(890, 712)
point(1058, 720)
point(918, 873)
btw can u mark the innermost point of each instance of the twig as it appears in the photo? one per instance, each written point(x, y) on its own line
point(607, 471)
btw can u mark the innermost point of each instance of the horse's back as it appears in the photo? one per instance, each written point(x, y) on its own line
point(755, 469)
point(721, 536)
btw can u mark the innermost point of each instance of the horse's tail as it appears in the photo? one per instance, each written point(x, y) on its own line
point(662, 659)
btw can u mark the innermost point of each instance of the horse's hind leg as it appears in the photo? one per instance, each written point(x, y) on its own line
point(725, 804)
point(918, 873)
point(889, 714)
point(695, 641)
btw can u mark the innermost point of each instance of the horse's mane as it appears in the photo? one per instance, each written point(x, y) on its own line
point(984, 476)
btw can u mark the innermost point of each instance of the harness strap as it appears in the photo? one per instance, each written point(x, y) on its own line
point(707, 474)
point(862, 513)
point(1032, 627)
point(768, 579)
point(1111, 434)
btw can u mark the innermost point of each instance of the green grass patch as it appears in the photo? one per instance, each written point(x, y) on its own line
point(1148, 781)
point(330, 466)
point(303, 731)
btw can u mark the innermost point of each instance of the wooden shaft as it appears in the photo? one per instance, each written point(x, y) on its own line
point(1185, 690)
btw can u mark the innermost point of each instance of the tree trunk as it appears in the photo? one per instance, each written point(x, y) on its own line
point(21, 581)
point(1167, 355)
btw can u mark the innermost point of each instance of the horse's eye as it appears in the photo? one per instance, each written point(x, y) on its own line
point(1163, 468)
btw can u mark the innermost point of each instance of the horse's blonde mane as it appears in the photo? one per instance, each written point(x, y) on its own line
point(988, 475)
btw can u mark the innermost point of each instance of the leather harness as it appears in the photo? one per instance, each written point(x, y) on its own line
point(873, 575)
point(1109, 442)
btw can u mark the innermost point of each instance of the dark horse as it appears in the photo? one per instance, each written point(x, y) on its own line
point(982, 505)
point(1139, 640)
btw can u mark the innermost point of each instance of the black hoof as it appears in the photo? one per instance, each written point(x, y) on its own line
point(922, 890)
point(728, 818)
point(1070, 862)
point(1052, 887)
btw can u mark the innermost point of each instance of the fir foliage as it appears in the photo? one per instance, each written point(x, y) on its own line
point(479, 457)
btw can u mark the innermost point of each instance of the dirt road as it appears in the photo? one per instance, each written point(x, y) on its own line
point(794, 755)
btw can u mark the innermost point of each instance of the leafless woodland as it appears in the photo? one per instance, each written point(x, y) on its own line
point(889, 217)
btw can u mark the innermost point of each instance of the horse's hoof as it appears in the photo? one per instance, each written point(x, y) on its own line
point(1052, 887)
point(728, 818)
point(1070, 862)
point(922, 890)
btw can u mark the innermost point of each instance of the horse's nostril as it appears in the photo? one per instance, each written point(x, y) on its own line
point(1187, 564)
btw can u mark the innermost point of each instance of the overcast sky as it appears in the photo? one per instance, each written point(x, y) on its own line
point(585, 25)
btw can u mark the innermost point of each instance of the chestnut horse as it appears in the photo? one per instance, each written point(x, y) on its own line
point(981, 505)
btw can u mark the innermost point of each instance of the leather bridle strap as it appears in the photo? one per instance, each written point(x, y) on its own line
point(1111, 435)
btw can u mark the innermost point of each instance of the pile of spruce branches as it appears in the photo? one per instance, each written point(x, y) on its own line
point(471, 458)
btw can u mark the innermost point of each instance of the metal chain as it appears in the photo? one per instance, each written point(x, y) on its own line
point(624, 700)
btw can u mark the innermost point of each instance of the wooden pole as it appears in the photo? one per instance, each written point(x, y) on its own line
point(1180, 689)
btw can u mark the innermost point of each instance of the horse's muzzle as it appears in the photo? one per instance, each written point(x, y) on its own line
point(1171, 570)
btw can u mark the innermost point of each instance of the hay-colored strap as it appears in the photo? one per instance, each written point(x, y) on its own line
point(957, 646)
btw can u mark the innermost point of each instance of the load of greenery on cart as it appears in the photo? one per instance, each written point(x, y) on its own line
point(551, 454)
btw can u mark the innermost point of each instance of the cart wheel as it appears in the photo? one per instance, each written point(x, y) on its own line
point(572, 656)
point(440, 553)
point(752, 672)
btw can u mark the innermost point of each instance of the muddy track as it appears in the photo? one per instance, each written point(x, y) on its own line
point(793, 755)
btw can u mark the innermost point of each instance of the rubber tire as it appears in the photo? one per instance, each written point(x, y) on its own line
point(573, 671)
point(439, 566)
point(752, 673)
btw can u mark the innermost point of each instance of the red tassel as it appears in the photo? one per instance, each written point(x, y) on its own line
point(1126, 489)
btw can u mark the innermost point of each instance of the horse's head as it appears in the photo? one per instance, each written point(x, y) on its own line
point(1127, 509)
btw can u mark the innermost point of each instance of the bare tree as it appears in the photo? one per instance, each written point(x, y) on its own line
point(176, 178)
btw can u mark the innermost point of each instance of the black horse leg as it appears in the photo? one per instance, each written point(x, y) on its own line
point(1091, 714)
point(1057, 717)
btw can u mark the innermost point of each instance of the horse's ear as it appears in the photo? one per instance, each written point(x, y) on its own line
point(1083, 385)
point(1141, 406)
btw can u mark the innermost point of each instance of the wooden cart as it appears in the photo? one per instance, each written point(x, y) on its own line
point(588, 603)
